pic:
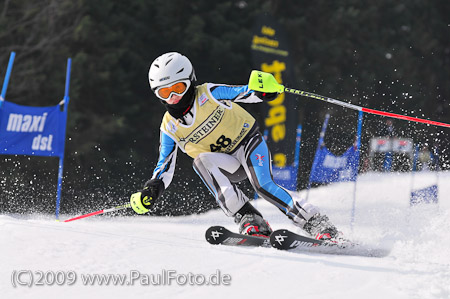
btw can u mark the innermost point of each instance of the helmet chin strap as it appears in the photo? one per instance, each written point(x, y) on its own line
point(183, 106)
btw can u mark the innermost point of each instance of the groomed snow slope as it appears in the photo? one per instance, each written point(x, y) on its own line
point(417, 266)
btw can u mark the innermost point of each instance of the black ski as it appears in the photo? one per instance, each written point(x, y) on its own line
point(220, 235)
point(285, 240)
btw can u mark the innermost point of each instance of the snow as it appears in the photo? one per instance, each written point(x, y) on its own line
point(417, 265)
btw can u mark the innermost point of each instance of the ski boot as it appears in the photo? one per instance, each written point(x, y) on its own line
point(321, 228)
point(251, 222)
point(254, 225)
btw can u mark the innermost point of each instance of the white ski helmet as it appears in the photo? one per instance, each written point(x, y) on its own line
point(168, 69)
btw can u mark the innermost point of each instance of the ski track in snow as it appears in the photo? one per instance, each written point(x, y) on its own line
point(417, 264)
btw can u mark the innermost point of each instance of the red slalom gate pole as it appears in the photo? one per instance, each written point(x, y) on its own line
point(366, 110)
point(266, 82)
point(405, 117)
point(125, 206)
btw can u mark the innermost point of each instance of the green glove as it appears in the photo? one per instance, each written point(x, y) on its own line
point(264, 82)
point(141, 201)
point(140, 205)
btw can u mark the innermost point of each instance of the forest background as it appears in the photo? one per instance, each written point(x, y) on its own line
point(387, 55)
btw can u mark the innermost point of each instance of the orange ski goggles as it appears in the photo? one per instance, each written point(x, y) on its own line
point(178, 88)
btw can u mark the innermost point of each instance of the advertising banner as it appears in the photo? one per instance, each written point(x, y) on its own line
point(33, 131)
point(328, 168)
point(270, 54)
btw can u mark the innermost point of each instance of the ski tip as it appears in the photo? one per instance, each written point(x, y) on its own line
point(278, 237)
point(220, 235)
point(287, 240)
point(215, 234)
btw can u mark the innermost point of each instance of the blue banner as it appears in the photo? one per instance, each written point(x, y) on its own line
point(287, 176)
point(329, 168)
point(425, 195)
point(33, 131)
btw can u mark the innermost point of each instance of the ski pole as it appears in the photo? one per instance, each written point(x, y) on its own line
point(125, 206)
point(266, 82)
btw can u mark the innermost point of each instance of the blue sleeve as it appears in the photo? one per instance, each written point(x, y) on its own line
point(234, 93)
point(229, 92)
point(167, 159)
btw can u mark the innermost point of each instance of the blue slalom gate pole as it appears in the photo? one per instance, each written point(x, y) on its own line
point(358, 151)
point(66, 89)
point(7, 76)
point(319, 144)
point(296, 165)
point(61, 158)
point(298, 140)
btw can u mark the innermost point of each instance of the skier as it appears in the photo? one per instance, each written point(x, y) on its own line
point(206, 123)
